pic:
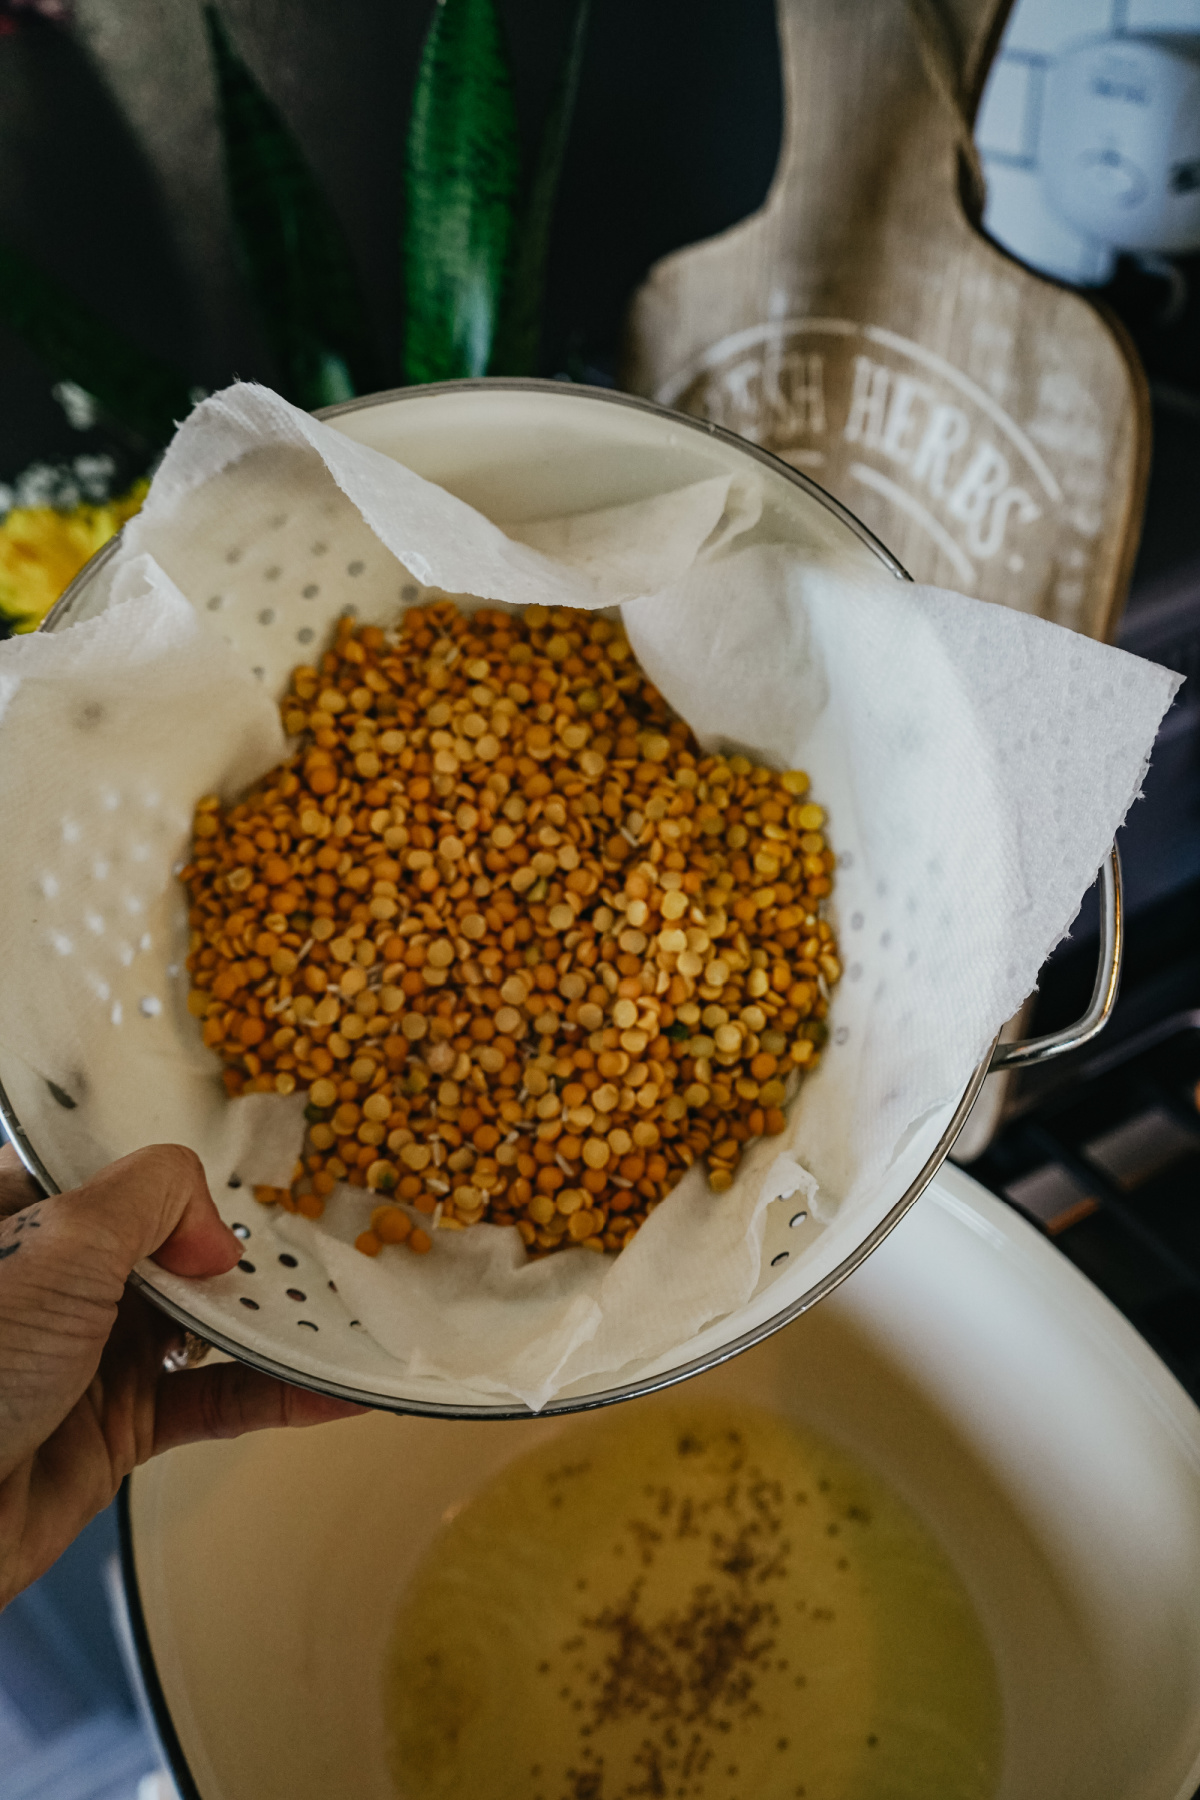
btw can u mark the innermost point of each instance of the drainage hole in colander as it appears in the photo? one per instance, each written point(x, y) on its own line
point(305, 635)
point(307, 1323)
point(289, 1262)
point(215, 602)
point(781, 1258)
point(273, 573)
point(234, 1181)
point(797, 1218)
point(311, 591)
point(333, 1287)
point(319, 549)
point(242, 1231)
point(295, 1294)
point(357, 1324)
point(252, 1304)
point(409, 591)
point(267, 616)
point(355, 568)
point(247, 1268)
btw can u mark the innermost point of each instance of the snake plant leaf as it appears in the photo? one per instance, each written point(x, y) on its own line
point(462, 175)
point(293, 251)
point(134, 390)
point(518, 337)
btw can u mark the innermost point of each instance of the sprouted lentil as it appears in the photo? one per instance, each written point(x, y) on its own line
point(530, 951)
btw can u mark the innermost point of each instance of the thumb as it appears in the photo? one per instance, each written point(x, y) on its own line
point(153, 1203)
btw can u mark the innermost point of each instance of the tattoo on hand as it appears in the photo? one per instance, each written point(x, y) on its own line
point(26, 1221)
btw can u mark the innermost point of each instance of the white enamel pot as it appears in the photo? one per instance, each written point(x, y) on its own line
point(967, 1361)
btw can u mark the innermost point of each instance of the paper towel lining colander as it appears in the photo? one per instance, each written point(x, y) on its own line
point(278, 1312)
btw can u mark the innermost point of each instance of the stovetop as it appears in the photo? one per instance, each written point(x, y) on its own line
point(1109, 1168)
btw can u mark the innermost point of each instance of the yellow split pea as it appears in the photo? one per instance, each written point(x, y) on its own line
point(529, 951)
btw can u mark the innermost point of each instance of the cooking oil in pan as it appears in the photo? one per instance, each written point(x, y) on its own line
point(695, 1601)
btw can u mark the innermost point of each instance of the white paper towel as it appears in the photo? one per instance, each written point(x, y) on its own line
point(975, 763)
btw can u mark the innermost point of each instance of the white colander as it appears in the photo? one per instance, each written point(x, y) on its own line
point(513, 450)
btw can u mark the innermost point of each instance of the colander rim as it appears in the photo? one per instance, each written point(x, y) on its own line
point(59, 616)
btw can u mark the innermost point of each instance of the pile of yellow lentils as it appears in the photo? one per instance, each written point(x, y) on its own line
point(529, 952)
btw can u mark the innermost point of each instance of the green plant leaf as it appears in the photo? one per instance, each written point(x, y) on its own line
point(293, 251)
point(462, 174)
point(133, 389)
point(518, 337)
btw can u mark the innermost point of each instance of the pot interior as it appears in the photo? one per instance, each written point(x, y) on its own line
point(967, 1362)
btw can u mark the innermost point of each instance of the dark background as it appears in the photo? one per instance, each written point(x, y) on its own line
point(110, 177)
point(110, 173)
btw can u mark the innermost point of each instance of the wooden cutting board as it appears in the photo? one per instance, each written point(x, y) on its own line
point(989, 425)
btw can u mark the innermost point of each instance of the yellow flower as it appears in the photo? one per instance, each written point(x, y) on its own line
point(42, 550)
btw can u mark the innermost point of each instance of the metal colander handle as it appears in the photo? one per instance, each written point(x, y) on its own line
point(1029, 1052)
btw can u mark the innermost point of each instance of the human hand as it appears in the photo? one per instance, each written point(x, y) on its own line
point(84, 1396)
